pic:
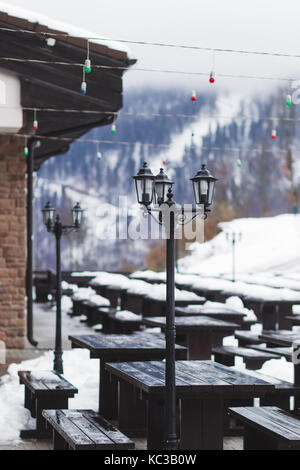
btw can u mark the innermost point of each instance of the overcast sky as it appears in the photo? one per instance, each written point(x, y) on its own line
point(263, 25)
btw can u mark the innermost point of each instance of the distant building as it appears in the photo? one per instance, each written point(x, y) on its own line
point(24, 86)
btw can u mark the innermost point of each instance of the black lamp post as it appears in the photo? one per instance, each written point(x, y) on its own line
point(232, 237)
point(58, 229)
point(159, 190)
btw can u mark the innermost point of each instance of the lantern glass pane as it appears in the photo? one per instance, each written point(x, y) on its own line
point(196, 186)
point(211, 191)
point(139, 190)
point(203, 186)
point(159, 190)
point(147, 190)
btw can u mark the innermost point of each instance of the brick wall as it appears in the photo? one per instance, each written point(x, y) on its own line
point(12, 241)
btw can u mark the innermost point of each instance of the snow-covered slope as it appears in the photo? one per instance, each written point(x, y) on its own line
point(268, 244)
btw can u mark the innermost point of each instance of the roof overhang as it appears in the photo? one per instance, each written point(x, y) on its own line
point(58, 86)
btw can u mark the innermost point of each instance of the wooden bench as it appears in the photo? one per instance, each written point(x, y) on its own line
point(285, 352)
point(252, 359)
point(43, 394)
point(279, 397)
point(247, 337)
point(84, 430)
point(268, 428)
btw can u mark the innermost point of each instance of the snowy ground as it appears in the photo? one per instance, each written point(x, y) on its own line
point(268, 244)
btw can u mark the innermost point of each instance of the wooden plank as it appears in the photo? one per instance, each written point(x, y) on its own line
point(256, 418)
point(282, 352)
point(129, 373)
point(239, 379)
point(119, 439)
point(193, 322)
point(243, 352)
point(89, 429)
point(68, 430)
point(182, 376)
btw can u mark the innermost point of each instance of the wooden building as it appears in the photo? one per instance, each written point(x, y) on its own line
point(32, 48)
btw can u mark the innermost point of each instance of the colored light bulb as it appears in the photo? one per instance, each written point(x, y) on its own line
point(193, 97)
point(212, 77)
point(26, 151)
point(113, 129)
point(99, 155)
point(239, 163)
point(83, 88)
point(35, 125)
point(288, 100)
point(87, 66)
point(274, 134)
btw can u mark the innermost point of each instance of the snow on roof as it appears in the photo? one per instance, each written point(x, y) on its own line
point(51, 23)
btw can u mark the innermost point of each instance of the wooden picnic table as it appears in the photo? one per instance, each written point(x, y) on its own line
point(156, 307)
point(134, 347)
point(274, 312)
point(226, 315)
point(284, 338)
point(201, 332)
point(201, 387)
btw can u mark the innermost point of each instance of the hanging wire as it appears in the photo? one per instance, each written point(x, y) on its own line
point(151, 43)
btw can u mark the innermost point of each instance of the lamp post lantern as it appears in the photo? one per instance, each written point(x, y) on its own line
point(159, 189)
point(55, 226)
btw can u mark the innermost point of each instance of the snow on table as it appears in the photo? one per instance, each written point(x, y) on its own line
point(110, 279)
point(128, 316)
point(232, 304)
point(99, 301)
point(83, 293)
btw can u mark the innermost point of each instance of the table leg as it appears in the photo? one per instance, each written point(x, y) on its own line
point(269, 314)
point(283, 322)
point(202, 423)
point(199, 345)
point(132, 410)
point(108, 394)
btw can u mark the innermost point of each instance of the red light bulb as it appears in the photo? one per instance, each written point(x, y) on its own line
point(193, 97)
point(212, 77)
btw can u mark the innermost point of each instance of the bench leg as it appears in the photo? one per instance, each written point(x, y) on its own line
point(202, 423)
point(269, 317)
point(132, 411)
point(256, 440)
point(58, 442)
point(45, 404)
point(108, 394)
point(29, 402)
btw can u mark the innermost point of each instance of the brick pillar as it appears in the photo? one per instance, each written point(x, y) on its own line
point(12, 241)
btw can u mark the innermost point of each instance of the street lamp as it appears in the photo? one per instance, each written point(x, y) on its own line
point(58, 229)
point(159, 189)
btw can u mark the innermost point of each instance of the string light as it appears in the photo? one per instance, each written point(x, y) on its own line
point(212, 77)
point(148, 144)
point(137, 69)
point(274, 134)
point(288, 100)
point(146, 43)
point(113, 129)
point(26, 151)
point(164, 115)
point(87, 63)
point(83, 83)
point(35, 124)
point(193, 96)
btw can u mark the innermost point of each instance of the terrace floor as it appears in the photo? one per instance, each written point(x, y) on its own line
point(44, 331)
